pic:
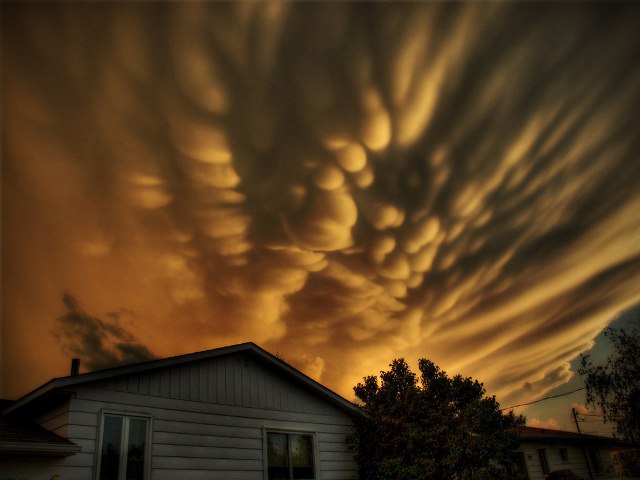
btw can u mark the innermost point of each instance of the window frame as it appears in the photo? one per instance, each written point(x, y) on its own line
point(519, 460)
point(563, 452)
point(126, 415)
point(293, 431)
point(544, 461)
point(595, 460)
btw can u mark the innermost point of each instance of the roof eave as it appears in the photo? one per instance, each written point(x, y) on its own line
point(29, 397)
point(49, 449)
point(62, 382)
point(571, 440)
point(329, 395)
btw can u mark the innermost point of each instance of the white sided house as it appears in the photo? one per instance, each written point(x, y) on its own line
point(558, 454)
point(236, 412)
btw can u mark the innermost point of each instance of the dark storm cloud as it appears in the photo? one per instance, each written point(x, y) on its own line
point(358, 180)
point(99, 344)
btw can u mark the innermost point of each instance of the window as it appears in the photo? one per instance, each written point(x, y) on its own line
point(596, 461)
point(123, 447)
point(564, 456)
point(518, 470)
point(290, 456)
point(544, 464)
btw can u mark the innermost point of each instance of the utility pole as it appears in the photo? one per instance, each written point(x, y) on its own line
point(575, 419)
point(584, 451)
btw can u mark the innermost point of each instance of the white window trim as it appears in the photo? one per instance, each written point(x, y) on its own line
point(566, 450)
point(301, 431)
point(542, 456)
point(147, 453)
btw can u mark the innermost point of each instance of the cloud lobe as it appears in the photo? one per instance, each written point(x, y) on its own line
point(365, 181)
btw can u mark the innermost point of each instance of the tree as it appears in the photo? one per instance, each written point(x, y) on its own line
point(615, 388)
point(440, 428)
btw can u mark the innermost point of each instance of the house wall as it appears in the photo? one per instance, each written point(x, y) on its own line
point(56, 420)
point(208, 421)
point(61, 421)
point(576, 462)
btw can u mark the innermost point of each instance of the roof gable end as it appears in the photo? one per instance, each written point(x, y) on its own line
point(250, 348)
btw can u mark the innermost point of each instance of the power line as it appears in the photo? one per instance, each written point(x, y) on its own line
point(545, 398)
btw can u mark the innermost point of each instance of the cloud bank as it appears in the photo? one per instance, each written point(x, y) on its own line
point(342, 183)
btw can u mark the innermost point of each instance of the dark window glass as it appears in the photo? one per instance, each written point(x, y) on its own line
point(564, 455)
point(278, 456)
point(290, 456)
point(518, 470)
point(136, 447)
point(124, 443)
point(542, 455)
point(596, 462)
point(111, 447)
point(301, 456)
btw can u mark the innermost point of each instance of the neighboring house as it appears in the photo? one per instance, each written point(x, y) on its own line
point(543, 451)
point(235, 412)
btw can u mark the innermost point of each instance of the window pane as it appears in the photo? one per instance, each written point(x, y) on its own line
point(594, 455)
point(278, 473)
point(301, 451)
point(111, 443)
point(544, 465)
point(135, 450)
point(302, 456)
point(520, 467)
point(278, 456)
point(277, 449)
point(290, 456)
point(564, 456)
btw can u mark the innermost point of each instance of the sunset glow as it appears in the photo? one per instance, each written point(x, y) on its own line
point(341, 183)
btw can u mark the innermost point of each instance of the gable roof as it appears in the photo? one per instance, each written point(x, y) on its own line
point(19, 436)
point(56, 386)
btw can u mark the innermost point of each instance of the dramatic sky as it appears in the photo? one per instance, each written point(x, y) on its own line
point(341, 183)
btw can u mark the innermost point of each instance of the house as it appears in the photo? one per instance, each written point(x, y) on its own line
point(565, 454)
point(236, 412)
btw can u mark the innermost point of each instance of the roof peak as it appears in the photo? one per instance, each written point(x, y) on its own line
point(268, 358)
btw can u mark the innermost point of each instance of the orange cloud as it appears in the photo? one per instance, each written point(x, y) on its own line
point(445, 185)
point(550, 423)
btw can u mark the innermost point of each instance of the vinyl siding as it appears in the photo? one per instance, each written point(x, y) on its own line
point(42, 469)
point(57, 420)
point(576, 462)
point(208, 420)
point(231, 380)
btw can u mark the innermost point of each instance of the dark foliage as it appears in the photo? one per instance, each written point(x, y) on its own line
point(434, 427)
point(615, 388)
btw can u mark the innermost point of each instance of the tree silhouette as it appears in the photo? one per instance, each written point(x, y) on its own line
point(615, 388)
point(434, 427)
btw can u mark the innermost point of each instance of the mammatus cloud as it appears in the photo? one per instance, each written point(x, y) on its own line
point(98, 343)
point(342, 183)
